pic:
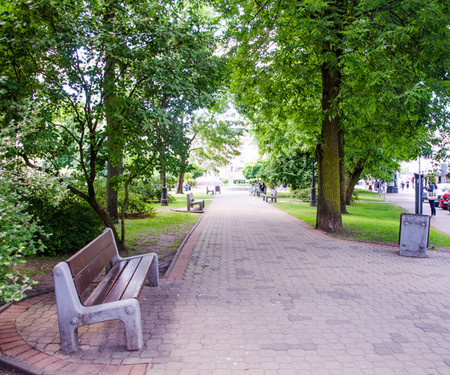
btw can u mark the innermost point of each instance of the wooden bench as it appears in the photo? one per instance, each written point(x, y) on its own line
point(191, 202)
point(79, 301)
point(272, 196)
point(208, 190)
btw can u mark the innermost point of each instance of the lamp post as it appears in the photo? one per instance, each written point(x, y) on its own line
point(164, 201)
point(313, 201)
point(418, 184)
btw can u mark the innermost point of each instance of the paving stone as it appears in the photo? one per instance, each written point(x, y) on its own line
point(263, 294)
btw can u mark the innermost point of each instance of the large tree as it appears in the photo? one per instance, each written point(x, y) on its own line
point(297, 64)
point(102, 80)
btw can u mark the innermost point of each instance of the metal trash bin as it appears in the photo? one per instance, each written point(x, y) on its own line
point(414, 234)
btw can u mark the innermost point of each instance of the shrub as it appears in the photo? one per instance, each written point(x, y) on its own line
point(147, 191)
point(71, 222)
point(355, 195)
point(140, 192)
point(18, 230)
point(136, 206)
point(302, 194)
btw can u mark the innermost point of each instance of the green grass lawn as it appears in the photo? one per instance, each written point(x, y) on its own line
point(165, 220)
point(364, 195)
point(367, 220)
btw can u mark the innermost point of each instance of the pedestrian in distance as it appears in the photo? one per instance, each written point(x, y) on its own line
point(431, 195)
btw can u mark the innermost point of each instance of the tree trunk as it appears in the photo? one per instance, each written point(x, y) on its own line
point(122, 213)
point(112, 194)
point(106, 220)
point(113, 128)
point(342, 170)
point(329, 202)
point(352, 181)
point(180, 181)
point(181, 174)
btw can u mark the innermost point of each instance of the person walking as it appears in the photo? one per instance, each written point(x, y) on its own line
point(431, 195)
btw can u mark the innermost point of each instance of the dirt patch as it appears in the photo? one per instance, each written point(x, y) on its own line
point(163, 244)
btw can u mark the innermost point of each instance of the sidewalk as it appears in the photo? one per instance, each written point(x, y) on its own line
point(262, 294)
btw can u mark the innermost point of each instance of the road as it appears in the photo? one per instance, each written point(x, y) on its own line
point(406, 200)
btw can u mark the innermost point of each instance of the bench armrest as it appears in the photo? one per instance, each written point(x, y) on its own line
point(153, 276)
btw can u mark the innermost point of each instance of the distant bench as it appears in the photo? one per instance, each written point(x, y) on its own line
point(215, 189)
point(272, 196)
point(115, 296)
point(191, 202)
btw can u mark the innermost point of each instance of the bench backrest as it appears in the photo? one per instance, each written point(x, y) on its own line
point(190, 198)
point(86, 264)
point(274, 193)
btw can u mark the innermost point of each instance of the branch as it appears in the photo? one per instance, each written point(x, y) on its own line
point(52, 173)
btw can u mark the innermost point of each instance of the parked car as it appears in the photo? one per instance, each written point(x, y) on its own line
point(441, 190)
point(445, 199)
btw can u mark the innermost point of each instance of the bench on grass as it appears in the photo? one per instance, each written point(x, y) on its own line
point(272, 196)
point(79, 301)
point(191, 202)
point(208, 190)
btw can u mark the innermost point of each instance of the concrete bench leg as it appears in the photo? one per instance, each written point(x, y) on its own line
point(68, 335)
point(133, 330)
point(68, 308)
point(128, 311)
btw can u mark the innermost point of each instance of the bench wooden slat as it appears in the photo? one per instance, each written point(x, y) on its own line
point(137, 282)
point(91, 271)
point(101, 291)
point(87, 254)
point(123, 280)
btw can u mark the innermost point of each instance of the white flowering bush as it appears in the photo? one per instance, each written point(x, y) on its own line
point(17, 231)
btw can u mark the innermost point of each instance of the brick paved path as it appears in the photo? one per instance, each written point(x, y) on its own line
point(262, 294)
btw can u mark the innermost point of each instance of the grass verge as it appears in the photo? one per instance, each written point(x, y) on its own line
point(367, 221)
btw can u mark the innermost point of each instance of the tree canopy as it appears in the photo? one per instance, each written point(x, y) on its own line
point(321, 75)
